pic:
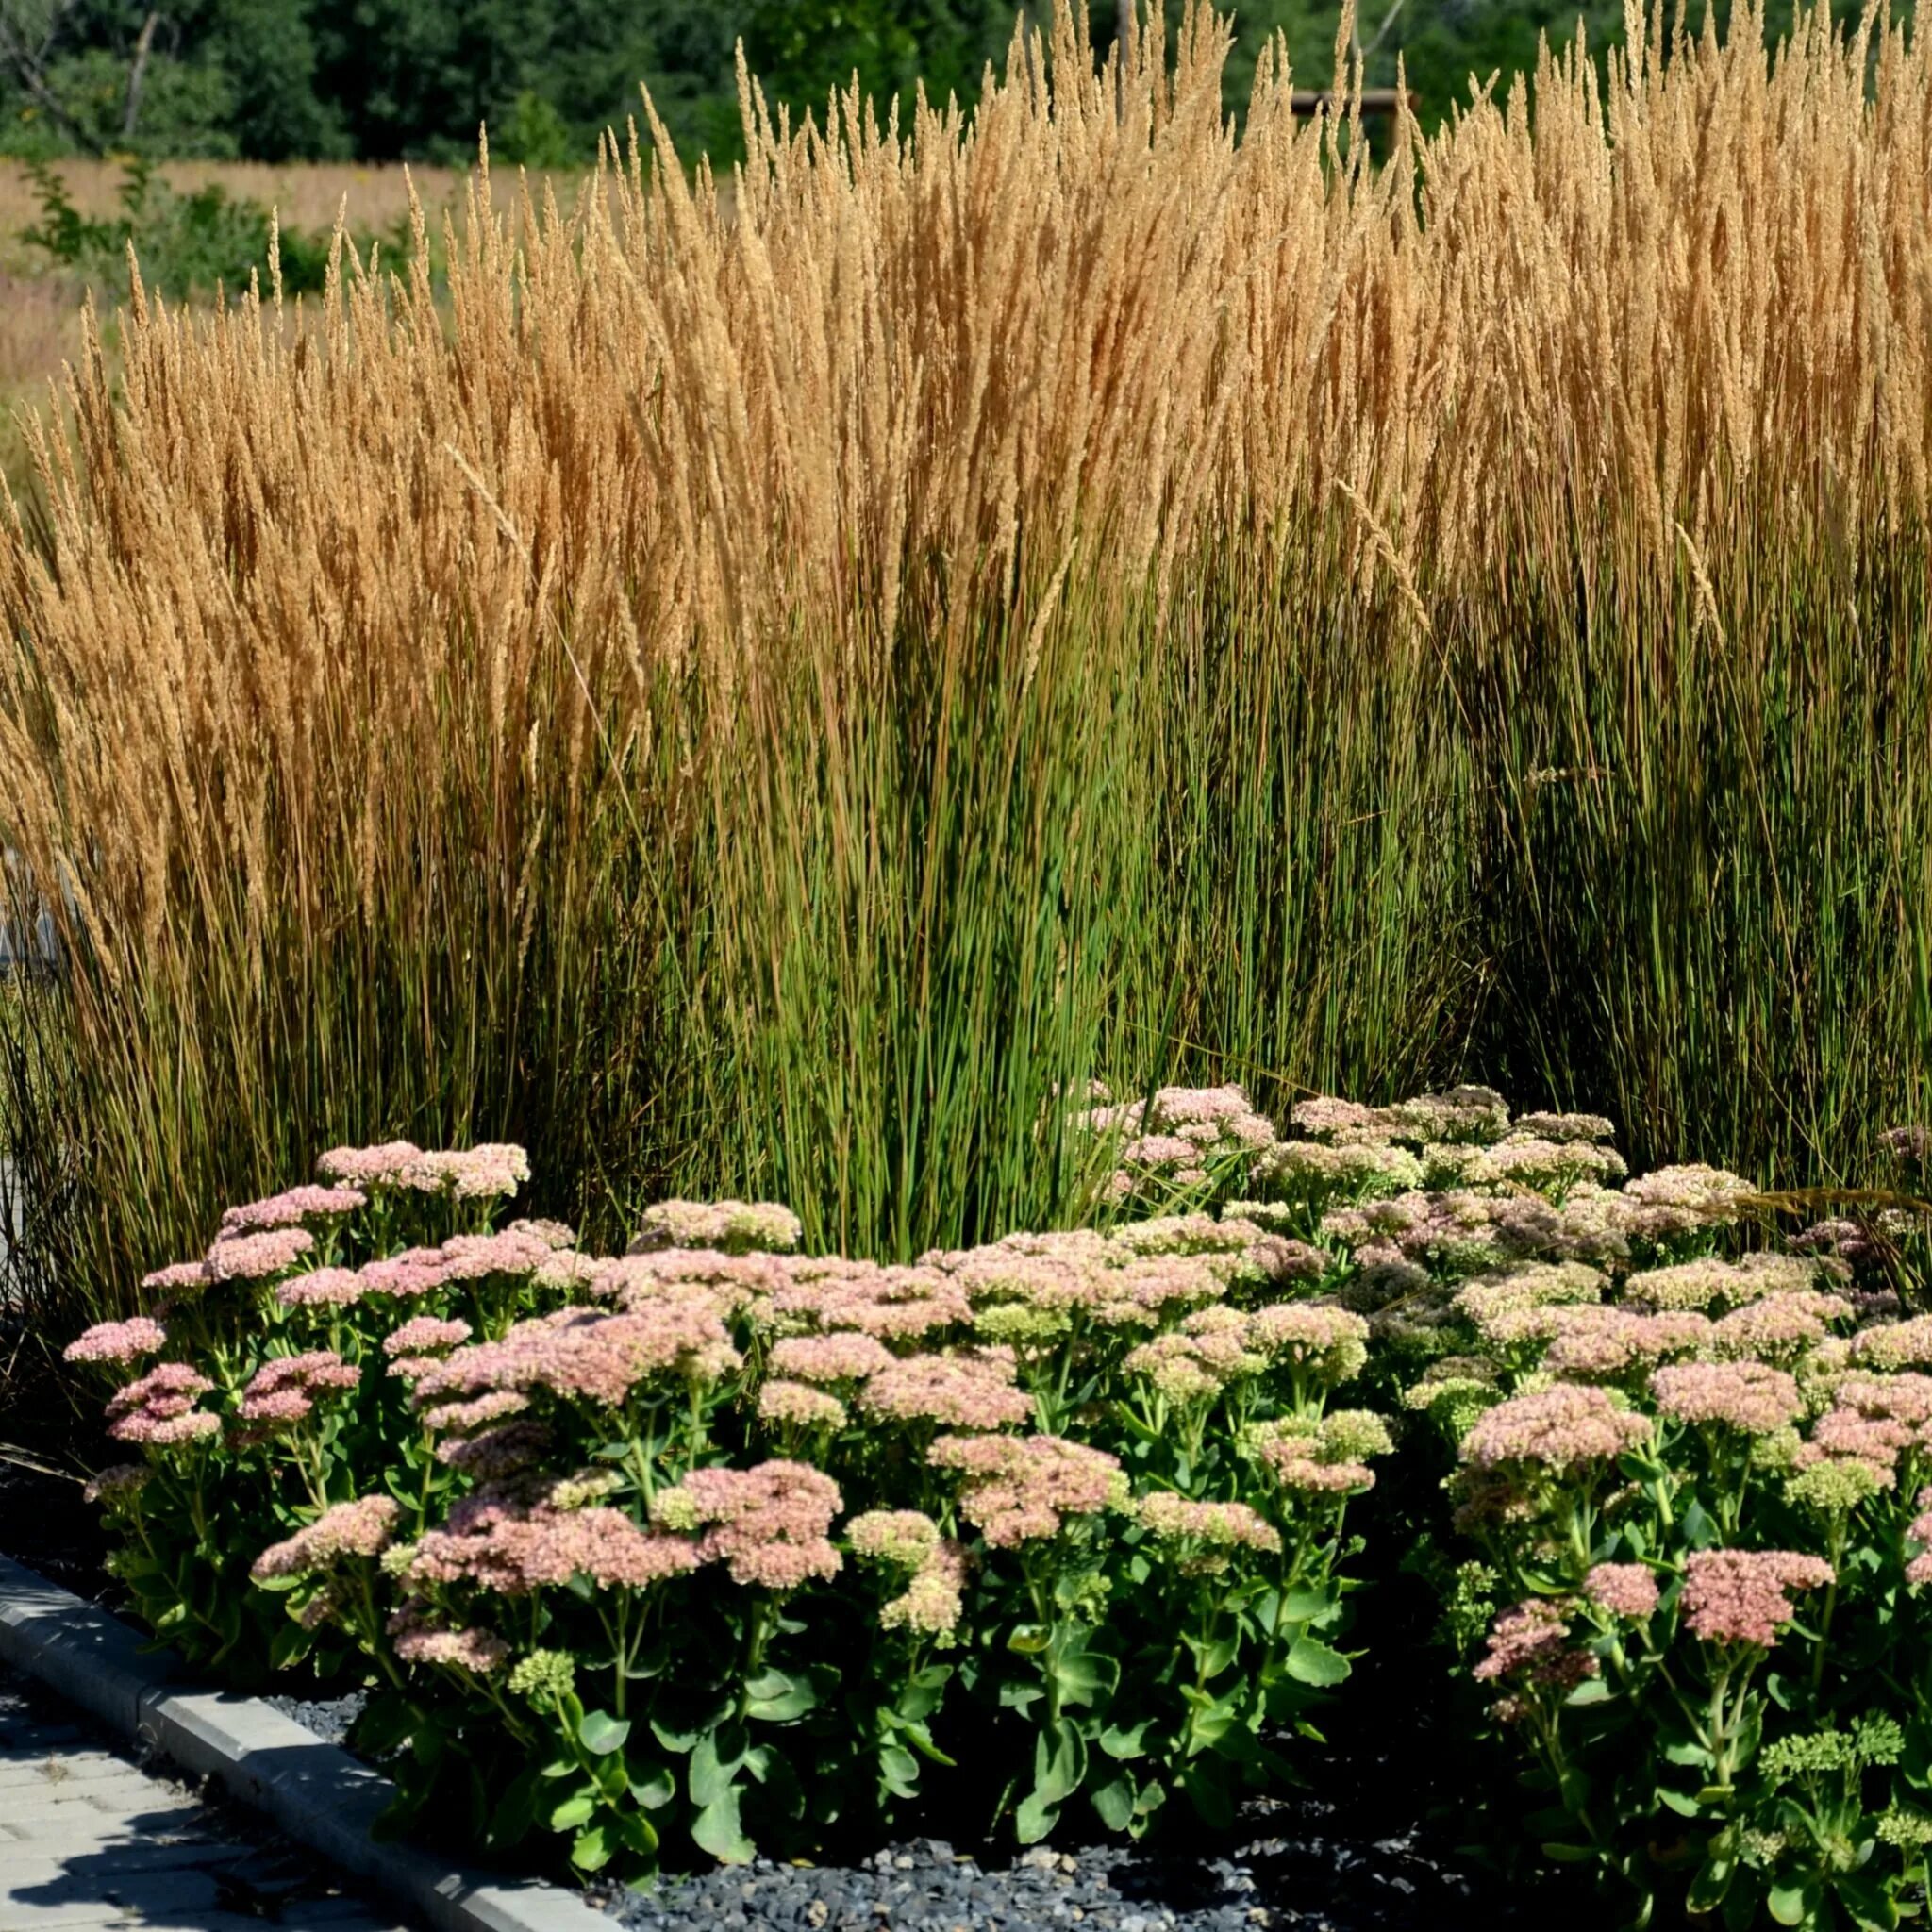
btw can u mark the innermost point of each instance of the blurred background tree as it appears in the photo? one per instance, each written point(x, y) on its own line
point(413, 79)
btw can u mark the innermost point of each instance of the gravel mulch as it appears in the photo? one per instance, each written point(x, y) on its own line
point(1329, 1865)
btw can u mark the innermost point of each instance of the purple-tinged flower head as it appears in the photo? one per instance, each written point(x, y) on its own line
point(256, 1257)
point(1847, 1432)
point(511, 1543)
point(1781, 1328)
point(964, 1391)
point(1147, 1291)
point(477, 1256)
point(1530, 1643)
point(1553, 1429)
point(1566, 1126)
point(1530, 1162)
point(425, 1335)
point(119, 1483)
point(1710, 1284)
point(1463, 1113)
point(117, 1341)
point(830, 1358)
point(894, 1304)
point(1181, 1234)
point(322, 1288)
point(553, 1234)
point(1625, 1589)
point(1895, 1345)
point(386, 1166)
point(1611, 1342)
point(284, 1388)
point(732, 1227)
point(1326, 1342)
point(1672, 1202)
point(1325, 1118)
point(476, 1412)
point(582, 1354)
point(799, 1406)
point(488, 1172)
point(768, 1525)
point(158, 1409)
point(361, 1529)
point(1020, 1489)
point(290, 1209)
point(1748, 1397)
point(1216, 1527)
point(731, 1284)
point(178, 1277)
point(1901, 1398)
point(417, 1641)
point(493, 1453)
point(1742, 1596)
point(1854, 1242)
point(407, 1276)
point(1908, 1144)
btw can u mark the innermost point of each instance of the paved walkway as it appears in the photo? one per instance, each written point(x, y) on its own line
point(88, 1839)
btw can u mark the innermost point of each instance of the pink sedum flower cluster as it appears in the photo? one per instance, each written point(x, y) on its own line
point(284, 1388)
point(159, 1409)
point(117, 1341)
point(361, 1529)
point(770, 1524)
point(1019, 1490)
point(1743, 1596)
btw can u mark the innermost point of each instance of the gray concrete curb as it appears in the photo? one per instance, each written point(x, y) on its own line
point(318, 1794)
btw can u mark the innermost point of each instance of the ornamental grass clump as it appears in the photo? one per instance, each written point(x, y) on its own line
point(708, 1548)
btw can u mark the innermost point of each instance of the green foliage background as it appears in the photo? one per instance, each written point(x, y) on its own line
point(411, 79)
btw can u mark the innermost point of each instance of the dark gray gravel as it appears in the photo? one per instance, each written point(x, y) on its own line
point(1301, 1862)
point(329, 1719)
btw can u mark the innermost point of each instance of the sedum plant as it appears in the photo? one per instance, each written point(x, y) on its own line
point(715, 1545)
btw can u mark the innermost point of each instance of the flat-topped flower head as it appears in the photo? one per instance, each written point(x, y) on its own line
point(830, 1358)
point(934, 1598)
point(1555, 1428)
point(733, 1227)
point(256, 1257)
point(407, 1276)
point(1186, 1368)
point(322, 1288)
point(1781, 1328)
point(290, 1207)
point(490, 1170)
point(361, 1529)
point(1743, 1596)
point(511, 1541)
point(1325, 1118)
point(1172, 1519)
point(1748, 1397)
point(903, 1538)
point(1532, 1162)
point(962, 1391)
point(768, 1525)
point(1531, 1638)
point(800, 1405)
point(1325, 1456)
point(1672, 1202)
point(1327, 1342)
point(1895, 1345)
point(159, 1409)
point(285, 1387)
point(584, 1354)
point(117, 1341)
point(1710, 1284)
point(1566, 1126)
point(509, 1252)
point(1611, 1342)
point(1024, 1489)
point(416, 1640)
point(425, 1335)
point(1625, 1589)
point(388, 1165)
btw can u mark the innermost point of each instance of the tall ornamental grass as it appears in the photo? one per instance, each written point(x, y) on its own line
point(779, 677)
